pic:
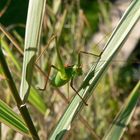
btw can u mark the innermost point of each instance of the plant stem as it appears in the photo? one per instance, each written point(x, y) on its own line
point(21, 106)
point(0, 132)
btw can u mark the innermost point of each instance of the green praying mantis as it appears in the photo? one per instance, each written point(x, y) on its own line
point(64, 73)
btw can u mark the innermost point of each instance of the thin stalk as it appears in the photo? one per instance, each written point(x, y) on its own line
point(21, 106)
point(0, 132)
point(5, 8)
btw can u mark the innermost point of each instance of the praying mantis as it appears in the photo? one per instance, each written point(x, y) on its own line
point(64, 73)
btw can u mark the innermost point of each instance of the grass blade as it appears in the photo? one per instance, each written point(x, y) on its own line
point(13, 58)
point(32, 39)
point(123, 118)
point(21, 106)
point(115, 42)
point(36, 100)
point(13, 120)
point(34, 97)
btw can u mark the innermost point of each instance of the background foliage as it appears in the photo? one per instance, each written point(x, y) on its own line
point(83, 19)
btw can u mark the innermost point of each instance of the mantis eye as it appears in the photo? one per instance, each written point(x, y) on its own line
point(77, 70)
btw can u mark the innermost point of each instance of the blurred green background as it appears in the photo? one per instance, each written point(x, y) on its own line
point(84, 19)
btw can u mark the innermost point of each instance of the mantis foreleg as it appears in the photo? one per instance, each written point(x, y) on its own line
point(47, 77)
point(95, 55)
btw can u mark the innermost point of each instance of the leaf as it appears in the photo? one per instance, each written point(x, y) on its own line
point(13, 120)
point(21, 106)
point(123, 118)
point(36, 100)
point(32, 39)
point(34, 97)
point(13, 58)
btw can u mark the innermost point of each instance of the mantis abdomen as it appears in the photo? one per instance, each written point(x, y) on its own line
point(61, 79)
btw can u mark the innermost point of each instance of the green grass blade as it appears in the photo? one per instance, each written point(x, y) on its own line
point(21, 106)
point(123, 118)
point(34, 97)
point(13, 58)
point(32, 39)
point(13, 120)
point(115, 42)
point(36, 100)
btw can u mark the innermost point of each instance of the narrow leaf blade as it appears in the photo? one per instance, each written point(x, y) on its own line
point(32, 39)
point(13, 120)
point(123, 118)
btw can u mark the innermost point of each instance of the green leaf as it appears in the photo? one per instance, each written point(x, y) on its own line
point(13, 120)
point(36, 100)
point(21, 106)
point(32, 39)
point(34, 97)
point(123, 118)
point(114, 43)
point(13, 58)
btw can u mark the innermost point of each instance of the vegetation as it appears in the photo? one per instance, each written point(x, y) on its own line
point(54, 32)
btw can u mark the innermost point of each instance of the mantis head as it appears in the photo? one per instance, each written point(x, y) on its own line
point(77, 70)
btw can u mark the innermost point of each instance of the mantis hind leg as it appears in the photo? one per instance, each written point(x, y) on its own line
point(71, 84)
point(46, 80)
